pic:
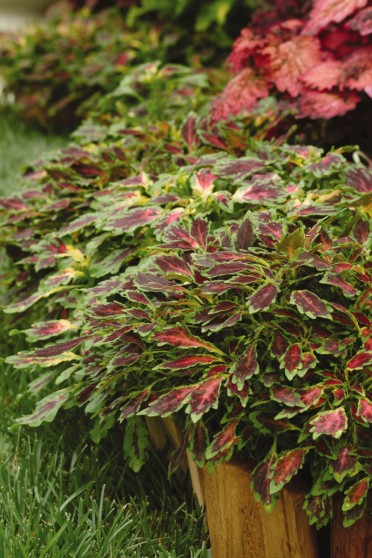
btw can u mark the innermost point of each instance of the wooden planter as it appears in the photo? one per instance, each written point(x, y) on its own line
point(239, 527)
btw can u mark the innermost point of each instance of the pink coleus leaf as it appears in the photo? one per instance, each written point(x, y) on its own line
point(224, 440)
point(310, 304)
point(287, 396)
point(188, 361)
point(178, 237)
point(180, 337)
point(331, 423)
point(260, 481)
point(45, 330)
point(325, 104)
point(289, 60)
point(169, 403)
point(245, 368)
point(204, 397)
point(325, 12)
point(364, 410)
point(362, 22)
point(240, 94)
point(262, 298)
point(286, 466)
point(356, 494)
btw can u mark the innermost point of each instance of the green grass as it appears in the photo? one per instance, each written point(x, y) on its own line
point(20, 145)
point(62, 496)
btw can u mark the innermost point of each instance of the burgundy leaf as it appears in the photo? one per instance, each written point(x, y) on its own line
point(331, 279)
point(359, 360)
point(199, 231)
point(188, 362)
point(134, 219)
point(291, 361)
point(199, 443)
point(203, 397)
point(310, 396)
point(245, 368)
point(179, 337)
point(151, 282)
point(169, 403)
point(356, 494)
point(224, 440)
point(331, 423)
point(360, 179)
point(262, 298)
point(344, 465)
point(239, 168)
point(310, 304)
point(177, 237)
point(134, 404)
point(189, 131)
point(244, 235)
point(286, 467)
point(174, 264)
point(260, 481)
point(287, 396)
point(279, 344)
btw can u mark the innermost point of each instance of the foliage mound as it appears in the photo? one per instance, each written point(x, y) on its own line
point(195, 271)
point(318, 60)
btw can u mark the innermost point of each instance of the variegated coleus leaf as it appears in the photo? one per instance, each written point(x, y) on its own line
point(223, 442)
point(346, 464)
point(199, 443)
point(364, 410)
point(310, 304)
point(319, 509)
point(356, 494)
point(46, 409)
point(330, 423)
point(169, 403)
point(47, 356)
point(180, 337)
point(245, 367)
point(204, 396)
point(285, 467)
point(189, 361)
point(261, 480)
point(262, 299)
point(45, 330)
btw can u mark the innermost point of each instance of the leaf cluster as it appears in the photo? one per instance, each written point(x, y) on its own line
point(180, 267)
point(318, 59)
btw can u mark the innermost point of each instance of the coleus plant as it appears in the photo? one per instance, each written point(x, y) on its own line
point(316, 55)
point(227, 284)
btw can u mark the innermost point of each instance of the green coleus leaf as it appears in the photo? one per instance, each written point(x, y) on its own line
point(292, 244)
point(136, 443)
point(310, 304)
point(285, 467)
point(46, 409)
point(330, 423)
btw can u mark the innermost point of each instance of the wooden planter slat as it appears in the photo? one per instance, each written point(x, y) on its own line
point(239, 527)
point(354, 541)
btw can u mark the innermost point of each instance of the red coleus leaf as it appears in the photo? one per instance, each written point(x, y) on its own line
point(289, 60)
point(278, 345)
point(286, 467)
point(356, 494)
point(134, 405)
point(188, 361)
point(177, 237)
point(260, 481)
point(310, 304)
point(77, 224)
point(239, 168)
point(362, 22)
point(151, 282)
point(241, 394)
point(364, 410)
point(179, 337)
point(310, 396)
point(332, 279)
point(345, 464)
point(360, 179)
point(262, 298)
point(174, 264)
point(204, 397)
point(331, 423)
point(245, 368)
point(359, 360)
point(319, 509)
point(325, 12)
point(291, 361)
point(169, 403)
point(223, 441)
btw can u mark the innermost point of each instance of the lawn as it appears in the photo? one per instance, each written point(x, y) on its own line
point(60, 494)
